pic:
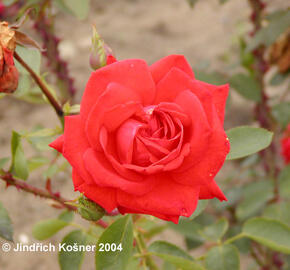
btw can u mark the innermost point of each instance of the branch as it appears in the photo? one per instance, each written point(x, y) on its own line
point(57, 107)
point(11, 181)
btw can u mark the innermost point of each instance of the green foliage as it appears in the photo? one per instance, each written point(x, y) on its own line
point(255, 196)
point(269, 34)
point(174, 255)
point(79, 8)
point(72, 260)
point(224, 257)
point(47, 228)
point(89, 210)
point(284, 182)
point(6, 230)
point(19, 165)
point(3, 161)
point(278, 78)
point(202, 204)
point(279, 211)
point(246, 86)
point(66, 216)
point(268, 232)
point(31, 56)
point(37, 162)
point(210, 77)
point(246, 141)
point(216, 231)
point(281, 112)
point(120, 232)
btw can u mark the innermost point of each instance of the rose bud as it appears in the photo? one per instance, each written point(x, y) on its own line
point(8, 71)
point(89, 210)
point(148, 139)
point(285, 144)
point(101, 54)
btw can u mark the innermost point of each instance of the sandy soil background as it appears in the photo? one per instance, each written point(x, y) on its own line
point(148, 29)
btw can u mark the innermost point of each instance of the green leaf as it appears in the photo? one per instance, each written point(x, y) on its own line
point(120, 232)
point(284, 182)
point(269, 34)
point(174, 255)
point(36, 162)
point(216, 231)
point(6, 230)
point(66, 216)
point(19, 165)
point(202, 204)
point(47, 228)
point(31, 56)
point(3, 161)
point(279, 211)
point(210, 77)
point(281, 113)
point(269, 232)
point(246, 86)
point(72, 260)
point(247, 140)
point(223, 258)
point(256, 195)
point(188, 229)
point(79, 8)
point(278, 78)
point(45, 132)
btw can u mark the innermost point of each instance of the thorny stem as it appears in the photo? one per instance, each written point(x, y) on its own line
point(11, 181)
point(57, 107)
point(262, 110)
point(44, 25)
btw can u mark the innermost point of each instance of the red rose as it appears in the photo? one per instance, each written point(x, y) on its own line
point(285, 143)
point(148, 140)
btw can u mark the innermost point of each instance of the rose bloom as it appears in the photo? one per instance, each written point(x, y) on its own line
point(149, 139)
point(285, 144)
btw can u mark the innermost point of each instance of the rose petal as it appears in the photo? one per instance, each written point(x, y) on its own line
point(220, 94)
point(167, 198)
point(160, 68)
point(58, 144)
point(200, 130)
point(212, 159)
point(77, 180)
point(104, 175)
point(115, 94)
point(105, 197)
point(176, 82)
point(124, 210)
point(75, 145)
point(133, 74)
point(125, 137)
point(211, 191)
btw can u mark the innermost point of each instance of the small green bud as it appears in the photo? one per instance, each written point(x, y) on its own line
point(89, 210)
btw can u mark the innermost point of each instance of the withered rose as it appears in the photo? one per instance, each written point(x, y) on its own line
point(149, 139)
point(8, 71)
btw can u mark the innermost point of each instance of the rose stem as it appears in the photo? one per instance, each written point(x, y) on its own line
point(11, 181)
point(262, 110)
point(143, 250)
point(57, 107)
